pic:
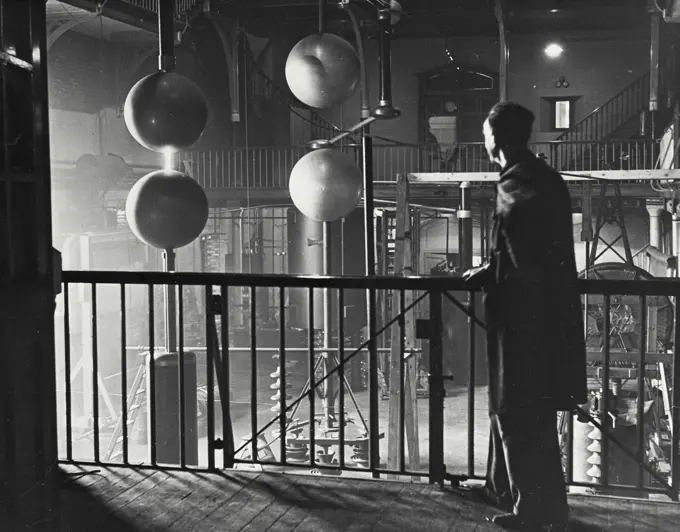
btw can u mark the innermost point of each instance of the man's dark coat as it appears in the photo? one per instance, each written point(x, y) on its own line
point(535, 323)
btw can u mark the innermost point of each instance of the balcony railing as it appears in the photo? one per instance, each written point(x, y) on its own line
point(181, 6)
point(281, 390)
point(270, 167)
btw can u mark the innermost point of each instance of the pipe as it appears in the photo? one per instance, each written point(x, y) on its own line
point(166, 36)
point(465, 226)
point(170, 303)
point(385, 109)
point(504, 56)
point(385, 59)
point(322, 17)
point(329, 384)
point(363, 82)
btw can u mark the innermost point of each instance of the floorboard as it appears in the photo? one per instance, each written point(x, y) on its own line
point(139, 500)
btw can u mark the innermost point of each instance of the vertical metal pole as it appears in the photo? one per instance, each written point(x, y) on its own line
point(504, 56)
point(385, 58)
point(436, 402)
point(604, 406)
point(654, 71)
point(465, 221)
point(675, 414)
point(170, 302)
point(328, 385)
point(369, 242)
point(166, 35)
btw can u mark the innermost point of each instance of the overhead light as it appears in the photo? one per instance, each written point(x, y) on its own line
point(554, 10)
point(553, 51)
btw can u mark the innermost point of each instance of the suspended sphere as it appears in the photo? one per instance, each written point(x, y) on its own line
point(323, 70)
point(167, 209)
point(326, 185)
point(165, 111)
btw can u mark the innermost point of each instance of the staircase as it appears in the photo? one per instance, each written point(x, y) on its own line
point(261, 86)
point(140, 14)
point(619, 117)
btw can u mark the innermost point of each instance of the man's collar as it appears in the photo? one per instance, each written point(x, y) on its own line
point(524, 156)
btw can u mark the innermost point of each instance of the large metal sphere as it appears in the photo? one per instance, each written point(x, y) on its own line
point(165, 111)
point(323, 70)
point(166, 209)
point(326, 185)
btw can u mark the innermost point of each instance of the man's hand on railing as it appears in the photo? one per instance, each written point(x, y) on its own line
point(477, 275)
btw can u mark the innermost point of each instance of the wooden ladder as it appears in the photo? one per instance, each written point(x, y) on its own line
point(135, 401)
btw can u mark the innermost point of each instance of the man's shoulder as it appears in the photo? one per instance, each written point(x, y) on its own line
point(515, 191)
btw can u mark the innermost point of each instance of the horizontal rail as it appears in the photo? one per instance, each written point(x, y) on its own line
point(270, 167)
point(651, 287)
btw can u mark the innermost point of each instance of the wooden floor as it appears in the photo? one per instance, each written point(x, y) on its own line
point(130, 500)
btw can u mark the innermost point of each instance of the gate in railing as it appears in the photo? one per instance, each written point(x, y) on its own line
point(305, 389)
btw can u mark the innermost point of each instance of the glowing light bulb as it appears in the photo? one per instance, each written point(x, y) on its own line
point(168, 156)
point(553, 51)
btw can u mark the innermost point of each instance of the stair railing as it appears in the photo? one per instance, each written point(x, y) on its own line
point(620, 108)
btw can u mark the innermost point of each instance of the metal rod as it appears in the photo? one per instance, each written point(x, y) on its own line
point(227, 430)
point(356, 127)
point(166, 35)
point(151, 395)
point(182, 384)
point(329, 392)
point(67, 373)
point(471, 383)
point(312, 369)
point(123, 373)
point(282, 373)
point(95, 374)
point(675, 413)
point(322, 17)
point(641, 389)
point(369, 243)
point(402, 390)
point(604, 407)
point(341, 371)
point(170, 303)
point(253, 371)
point(210, 372)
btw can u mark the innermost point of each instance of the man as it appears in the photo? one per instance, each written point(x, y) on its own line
point(536, 348)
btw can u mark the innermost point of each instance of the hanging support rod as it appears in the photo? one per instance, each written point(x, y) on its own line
point(166, 35)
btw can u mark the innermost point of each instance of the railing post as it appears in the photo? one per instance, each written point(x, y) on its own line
point(436, 400)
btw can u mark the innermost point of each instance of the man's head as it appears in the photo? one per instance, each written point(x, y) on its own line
point(507, 128)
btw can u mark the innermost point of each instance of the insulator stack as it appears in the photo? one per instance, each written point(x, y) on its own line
point(276, 385)
point(361, 455)
point(296, 452)
point(325, 456)
point(595, 460)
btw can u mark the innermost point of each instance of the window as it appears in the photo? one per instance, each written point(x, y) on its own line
point(562, 114)
point(557, 113)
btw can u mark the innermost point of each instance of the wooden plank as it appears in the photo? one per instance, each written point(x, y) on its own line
point(273, 511)
point(370, 510)
point(213, 492)
point(137, 490)
point(451, 178)
point(244, 506)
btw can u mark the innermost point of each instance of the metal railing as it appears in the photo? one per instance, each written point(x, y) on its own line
point(270, 167)
point(181, 6)
point(230, 385)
